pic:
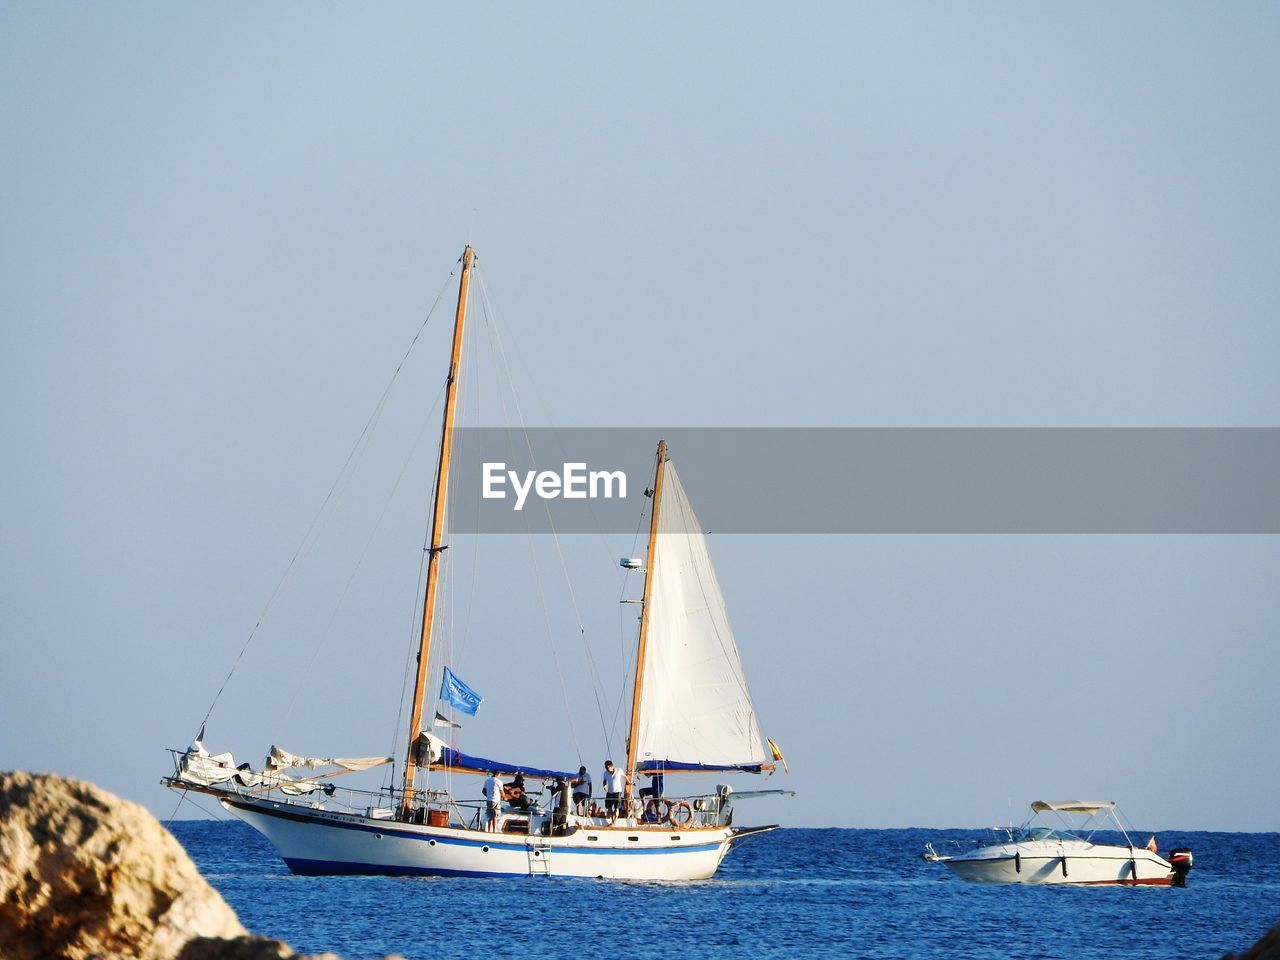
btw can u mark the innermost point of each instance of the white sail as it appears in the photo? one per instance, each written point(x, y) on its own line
point(694, 704)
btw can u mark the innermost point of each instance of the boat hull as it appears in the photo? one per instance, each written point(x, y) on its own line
point(1081, 863)
point(322, 842)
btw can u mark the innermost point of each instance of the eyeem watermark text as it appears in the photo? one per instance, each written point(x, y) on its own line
point(575, 482)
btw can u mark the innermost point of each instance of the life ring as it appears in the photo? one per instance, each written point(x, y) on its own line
point(678, 819)
point(656, 810)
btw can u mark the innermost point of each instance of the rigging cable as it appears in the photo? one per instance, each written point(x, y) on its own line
point(361, 440)
point(346, 589)
point(415, 625)
point(533, 556)
point(459, 650)
point(491, 324)
point(552, 435)
point(625, 656)
point(449, 562)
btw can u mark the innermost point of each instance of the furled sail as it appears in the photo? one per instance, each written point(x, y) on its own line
point(695, 709)
point(199, 767)
point(278, 759)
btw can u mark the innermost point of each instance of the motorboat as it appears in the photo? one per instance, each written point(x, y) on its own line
point(1065, 841)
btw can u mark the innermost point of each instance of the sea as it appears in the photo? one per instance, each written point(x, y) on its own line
point(792, 893)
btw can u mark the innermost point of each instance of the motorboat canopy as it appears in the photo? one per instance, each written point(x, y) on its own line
point(1089, 807)
point(1080, 819)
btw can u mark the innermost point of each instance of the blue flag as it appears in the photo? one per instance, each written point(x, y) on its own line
point(454, 691)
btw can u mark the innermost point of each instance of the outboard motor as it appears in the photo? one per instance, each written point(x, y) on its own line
point(1180, 861)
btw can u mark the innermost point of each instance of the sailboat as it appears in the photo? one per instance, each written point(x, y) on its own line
point(691, 711)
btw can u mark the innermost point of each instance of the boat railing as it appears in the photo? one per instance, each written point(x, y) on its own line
point(941, 849)
point(997, 836)
point(639, 817)
point(320, 793)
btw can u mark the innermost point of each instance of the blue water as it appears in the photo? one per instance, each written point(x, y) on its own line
point(792, 893)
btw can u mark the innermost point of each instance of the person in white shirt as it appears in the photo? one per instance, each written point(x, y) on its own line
point(493, 800)
point(615, 782)
point(582, 791)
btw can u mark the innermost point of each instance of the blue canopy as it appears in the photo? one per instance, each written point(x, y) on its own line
point(451, 759)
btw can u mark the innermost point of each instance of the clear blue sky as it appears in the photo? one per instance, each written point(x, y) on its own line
point(220, 225)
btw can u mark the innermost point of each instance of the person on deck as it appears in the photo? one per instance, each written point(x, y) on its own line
point(514, 793)
point(560, 809)
point(615, 782)
point(493, 800)
point(655, 808)
point(581, 791)
point(654, 789)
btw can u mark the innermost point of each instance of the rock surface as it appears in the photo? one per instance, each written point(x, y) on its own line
point(85, 874)
point(1268, 948)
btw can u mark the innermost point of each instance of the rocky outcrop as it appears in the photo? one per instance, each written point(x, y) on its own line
point(85, 874)
point(1268, 948)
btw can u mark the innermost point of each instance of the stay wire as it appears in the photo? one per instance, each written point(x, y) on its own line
point(477, 541)
point(492, 328)
point(168, 824)
point(346, 589)
point(360, 440)
point(628, 661)
point(491, 323)
point(419, 604)
point(624, 632)
point(538, 400)
point(184, 797)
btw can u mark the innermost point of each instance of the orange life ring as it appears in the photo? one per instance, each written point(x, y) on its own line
point(656, 810)
point(680, 820)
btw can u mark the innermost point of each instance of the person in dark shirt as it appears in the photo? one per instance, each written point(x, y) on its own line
point(655, 808)
point(515, 795)
point(654, 789)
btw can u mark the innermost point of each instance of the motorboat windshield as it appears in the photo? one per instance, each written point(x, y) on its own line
point(1048, 833)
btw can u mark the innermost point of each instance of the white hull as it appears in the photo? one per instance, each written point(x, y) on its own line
point(322, 842)
point(1078, 862)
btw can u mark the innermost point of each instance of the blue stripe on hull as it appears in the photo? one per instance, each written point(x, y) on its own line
point(320, 868)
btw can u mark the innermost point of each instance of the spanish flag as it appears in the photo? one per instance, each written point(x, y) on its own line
point(777, 755)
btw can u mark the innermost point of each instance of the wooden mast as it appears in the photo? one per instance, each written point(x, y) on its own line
point(638, 686)
point(437, 527)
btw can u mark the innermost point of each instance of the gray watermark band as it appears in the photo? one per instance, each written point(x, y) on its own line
point(867, 480)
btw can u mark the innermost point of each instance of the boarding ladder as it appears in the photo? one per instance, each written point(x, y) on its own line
point(539, 850)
